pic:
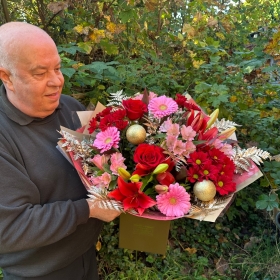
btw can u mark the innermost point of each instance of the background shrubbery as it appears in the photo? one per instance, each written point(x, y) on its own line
point(224, 54)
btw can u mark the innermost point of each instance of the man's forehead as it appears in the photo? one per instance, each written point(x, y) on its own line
point(42, 66)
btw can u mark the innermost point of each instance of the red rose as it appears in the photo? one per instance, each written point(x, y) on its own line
point(135, 109)
point(147, 157)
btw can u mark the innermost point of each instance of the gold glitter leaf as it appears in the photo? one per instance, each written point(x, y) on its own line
point(223, 124)
point(242, 157)
point(99, 197)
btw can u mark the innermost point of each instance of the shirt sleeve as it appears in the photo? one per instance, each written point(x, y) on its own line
point(25, 223)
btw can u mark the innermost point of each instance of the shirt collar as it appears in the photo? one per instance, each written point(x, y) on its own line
point(14, 113)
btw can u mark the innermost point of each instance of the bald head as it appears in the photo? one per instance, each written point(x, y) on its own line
point(15, 38)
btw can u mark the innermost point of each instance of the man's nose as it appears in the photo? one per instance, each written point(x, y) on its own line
point(55, 79)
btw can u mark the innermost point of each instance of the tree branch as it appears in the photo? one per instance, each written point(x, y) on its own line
point(5, 10)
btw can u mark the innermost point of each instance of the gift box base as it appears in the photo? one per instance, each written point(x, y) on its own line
point(143, 234)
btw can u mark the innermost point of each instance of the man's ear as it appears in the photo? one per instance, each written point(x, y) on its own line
point(5, 76)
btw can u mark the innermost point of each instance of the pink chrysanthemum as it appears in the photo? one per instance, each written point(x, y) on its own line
point(162, 106)
point(105, 140)
point(175, 202)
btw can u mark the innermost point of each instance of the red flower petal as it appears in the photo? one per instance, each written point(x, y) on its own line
point(128, 189)
point(165, 178)
point(116, 194)
point(145, 201)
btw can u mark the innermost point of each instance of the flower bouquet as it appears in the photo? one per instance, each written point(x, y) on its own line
point(160, 158)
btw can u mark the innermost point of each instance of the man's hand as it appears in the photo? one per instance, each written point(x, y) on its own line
point(106, 215)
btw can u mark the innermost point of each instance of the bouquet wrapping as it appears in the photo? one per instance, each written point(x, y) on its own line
point(159, 157)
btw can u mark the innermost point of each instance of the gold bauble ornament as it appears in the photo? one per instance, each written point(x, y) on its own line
point(136, 134)
point(205, 190)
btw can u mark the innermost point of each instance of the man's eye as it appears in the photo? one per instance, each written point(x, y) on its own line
point(39, 74)
point(57, 69)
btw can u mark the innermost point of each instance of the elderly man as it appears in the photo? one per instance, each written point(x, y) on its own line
point(48, 228)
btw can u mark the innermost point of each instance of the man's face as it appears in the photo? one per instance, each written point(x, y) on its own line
point(37, 81)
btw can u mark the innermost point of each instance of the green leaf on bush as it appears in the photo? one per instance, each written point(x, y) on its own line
point(202, 87)
point(264, 182)
point(69, 72)
point(267, 202)
point(108, 47)
point(86, 47)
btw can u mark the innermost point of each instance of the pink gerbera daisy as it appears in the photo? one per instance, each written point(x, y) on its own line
point(175, 202)
point(162, 106)
point(107, 139)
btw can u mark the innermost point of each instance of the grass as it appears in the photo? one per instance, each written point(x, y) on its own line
point(260, 260)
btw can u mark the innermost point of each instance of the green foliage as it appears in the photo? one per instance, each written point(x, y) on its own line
point(260, 260)
point(199, 250)
point(267, 202)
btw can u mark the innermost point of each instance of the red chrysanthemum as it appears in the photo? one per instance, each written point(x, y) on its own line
point(217, 156)
point(103, 113)
point(189, 105)
point(119, 114)
point(227, 167)
point(193, 174)
point(199, 159)
point(114, 119)
point(105, 122)
point(92, 125)
point(208, 172)
point(180, 100)
point(224, 185)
